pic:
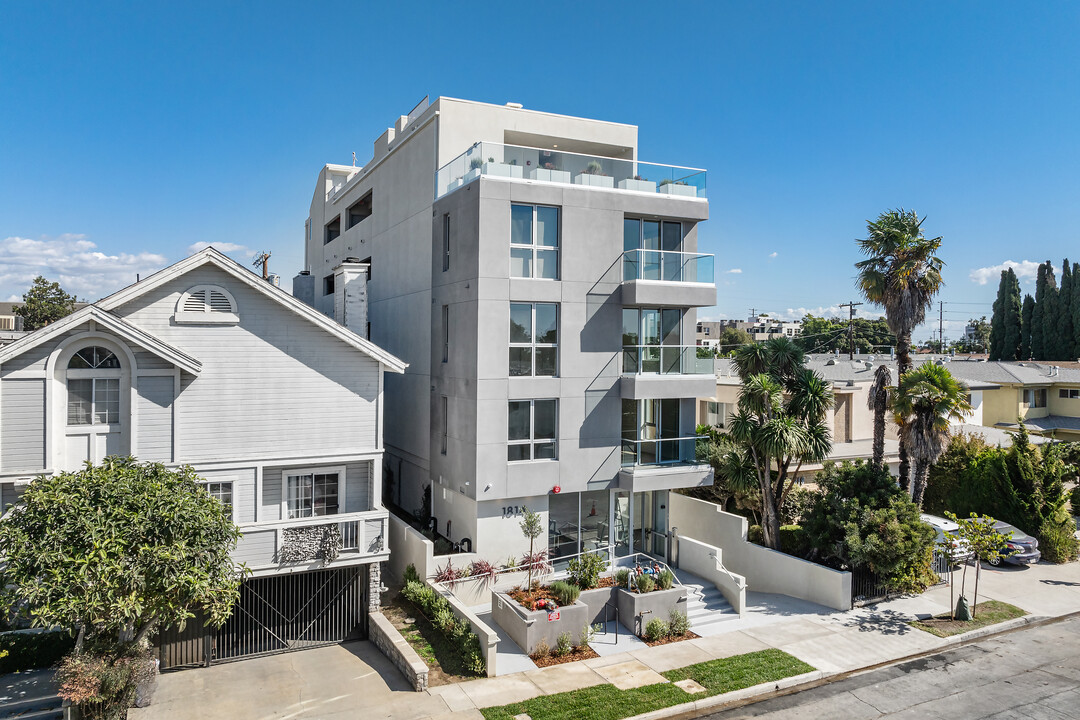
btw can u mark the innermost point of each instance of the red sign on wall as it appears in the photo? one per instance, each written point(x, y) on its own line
point(553, 616)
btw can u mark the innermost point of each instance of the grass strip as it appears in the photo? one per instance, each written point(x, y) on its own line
point(989, 612)
point(606, 702)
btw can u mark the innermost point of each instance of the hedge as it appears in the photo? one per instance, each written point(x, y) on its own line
point(33, 650)
point(438, 612)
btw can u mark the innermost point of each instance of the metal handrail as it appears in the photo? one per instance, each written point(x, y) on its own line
point(741, 583)
point(652, 560)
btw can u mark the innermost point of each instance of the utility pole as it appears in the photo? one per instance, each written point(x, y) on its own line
point(851, 327)
point(941, 326)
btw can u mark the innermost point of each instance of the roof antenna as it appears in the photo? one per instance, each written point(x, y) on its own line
point(262, 258)
point(354, 158)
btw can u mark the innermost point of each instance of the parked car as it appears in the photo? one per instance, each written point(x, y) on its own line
point(1021, 548)
point(961, 552)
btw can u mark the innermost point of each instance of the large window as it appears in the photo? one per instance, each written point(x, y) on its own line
point(657, 244)
point(93, 400)
point(532, 429)
point(534, 241)
point(534, 338)
point(332, 231)
point(1035, 398)
point(651, 340)
point(360, 210)
point(445, 333)
point(650, 430)
point(312, 494)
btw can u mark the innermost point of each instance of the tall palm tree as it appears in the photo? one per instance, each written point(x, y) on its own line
point(877, 401)
point(779, 425)
point(925, 401)
point(902, 273)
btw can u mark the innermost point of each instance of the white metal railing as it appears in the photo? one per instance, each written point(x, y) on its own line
point(660, 451)
point(362, 533)
point(631, 561)
point(668, 266)
point(666, 360)
point(740, 582)
point(568, 168)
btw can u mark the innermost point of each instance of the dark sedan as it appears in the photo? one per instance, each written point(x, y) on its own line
point(1021, 548)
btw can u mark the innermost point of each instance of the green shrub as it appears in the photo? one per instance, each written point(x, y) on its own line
point(794, 541)
point(410, 574)
point(678, 623)
point(1057, 541)
point(1074, 499)
point(437, 610)
point(753, 534)
point(665, 579)
point(566, 593)
point(589, 632)
point(657, 629)
point(564, 645)
point(644, 583)
point(585, 570)
point(622, 577)
point(21, 651)
point(797, 504)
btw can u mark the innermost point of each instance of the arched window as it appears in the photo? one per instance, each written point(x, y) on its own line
point(206, 304)
point(94, 390)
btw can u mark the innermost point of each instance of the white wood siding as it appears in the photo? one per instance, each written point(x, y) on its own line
point(276, 384)
point(243, 480)
point(9, 495)
point(22, 425)
point(155, 418)
point(255, 547)
point(357, 488)
point(149, 361)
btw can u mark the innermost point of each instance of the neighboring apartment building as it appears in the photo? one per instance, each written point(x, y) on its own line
point(276, 406)
point(759, 327)
point(542, 284)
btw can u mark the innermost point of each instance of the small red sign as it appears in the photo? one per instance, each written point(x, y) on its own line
point(553, 616)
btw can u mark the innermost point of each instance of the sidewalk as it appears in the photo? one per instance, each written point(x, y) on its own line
point(833, 642)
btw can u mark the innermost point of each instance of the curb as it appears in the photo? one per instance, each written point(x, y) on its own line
point(754, 692)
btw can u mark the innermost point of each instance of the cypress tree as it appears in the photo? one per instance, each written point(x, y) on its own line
point(1064, 311)
point(1037, 347)
point(1074, 306)
point(1010, 347)
point(1025, 327)
point(997, 321)
point(1050, 316)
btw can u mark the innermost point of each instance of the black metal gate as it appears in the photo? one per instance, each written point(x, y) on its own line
point(867, 587)
point(276, 614)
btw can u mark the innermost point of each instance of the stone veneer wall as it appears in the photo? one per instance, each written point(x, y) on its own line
point(397, 649)
point(374, 587)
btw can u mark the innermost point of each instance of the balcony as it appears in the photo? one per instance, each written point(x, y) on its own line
point(666, 371)
point(662, 464)
point(567, 168)
point(667, 278)
point(269, 548)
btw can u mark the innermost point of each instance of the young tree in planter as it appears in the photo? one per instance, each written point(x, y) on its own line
point(532, 528)
point(985, 543)
point(112, 552)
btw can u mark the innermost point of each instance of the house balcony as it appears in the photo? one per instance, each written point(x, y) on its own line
point(666, 371)
point(663, 464)
point(667, 278)
point(269, 548)
point(567, 168)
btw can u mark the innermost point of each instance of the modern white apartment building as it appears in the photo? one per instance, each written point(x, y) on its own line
point(541, 282)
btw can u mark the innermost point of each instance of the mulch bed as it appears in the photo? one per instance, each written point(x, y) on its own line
point(527, 598)
point(673, 639)
point(582, 653)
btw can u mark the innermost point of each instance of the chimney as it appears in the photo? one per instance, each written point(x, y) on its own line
point(350, 295)
point(303, 288)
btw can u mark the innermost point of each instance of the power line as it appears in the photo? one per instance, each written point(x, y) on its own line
point(851, 326)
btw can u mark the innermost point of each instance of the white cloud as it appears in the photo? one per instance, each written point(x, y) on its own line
point(74, 262)
point(225, 247)
point(734, 271)
point(773, 254)
point(1024, 269)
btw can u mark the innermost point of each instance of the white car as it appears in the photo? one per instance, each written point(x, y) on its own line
point(941, 525)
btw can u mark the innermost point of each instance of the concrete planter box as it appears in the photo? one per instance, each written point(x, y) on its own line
point(602, 181)
point(596, 600)
point(502, 170)
point(639, 185)
point(559, 176)
point(681, 190)
point(636, 610)
point(528, 627)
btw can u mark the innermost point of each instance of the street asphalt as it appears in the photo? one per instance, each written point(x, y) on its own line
point(1033, 673)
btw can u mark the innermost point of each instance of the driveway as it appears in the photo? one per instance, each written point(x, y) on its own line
point(351, 680)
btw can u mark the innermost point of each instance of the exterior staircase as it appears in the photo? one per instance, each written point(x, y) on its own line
point(705, 604)
point(30, 696)
point(37, 708)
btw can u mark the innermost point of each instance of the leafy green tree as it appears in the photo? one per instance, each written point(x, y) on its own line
point(732, 338)
point(1025, 327)
point(1038, 330)
point(877, 400)
point(1064, 323)
point(997, 320)
point(532, 528)
point(1074, 309)
point(740, 486)
point(863, 519)
point(902, 273)
point(45, 302)
point(1050, 317)
point(830, 334)
point(1006, 324)
point(924, 403)
point(779, 424)
point(977, 534)
point(982, 330)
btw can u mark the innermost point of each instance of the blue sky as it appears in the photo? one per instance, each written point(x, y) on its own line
point(129, 133)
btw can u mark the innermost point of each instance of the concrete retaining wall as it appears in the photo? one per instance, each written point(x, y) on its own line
point(636, 610)
point(528, 627)
point(700, 559)
point(765, 570)
point(397, 649)
point(489, 639)
point(408, 546)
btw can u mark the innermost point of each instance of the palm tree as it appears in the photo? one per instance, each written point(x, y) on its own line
point(878, 402)
point(902, 273)
point(925, 401)
point(779, 425)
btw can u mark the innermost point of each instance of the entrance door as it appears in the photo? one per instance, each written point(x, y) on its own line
point(650, 523)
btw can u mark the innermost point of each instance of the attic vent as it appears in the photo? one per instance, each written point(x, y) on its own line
point(206, 304)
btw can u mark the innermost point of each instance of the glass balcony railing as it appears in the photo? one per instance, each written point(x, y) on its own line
point(515, 161)
point(666, 360)
point(667, 266)
point(661, 451)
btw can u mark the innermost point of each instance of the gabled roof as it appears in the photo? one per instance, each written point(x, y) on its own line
point(115, 325)
point(210, 256)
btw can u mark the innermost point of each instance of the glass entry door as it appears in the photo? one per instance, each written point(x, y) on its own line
point(649, 531)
